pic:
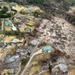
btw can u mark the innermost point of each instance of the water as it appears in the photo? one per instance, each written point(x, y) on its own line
point(7, 23)
point(47, 48)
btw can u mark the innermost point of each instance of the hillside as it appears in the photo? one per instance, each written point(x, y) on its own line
point(38, 37)
point(55, 3)
point(52, 7)
point(61, 4)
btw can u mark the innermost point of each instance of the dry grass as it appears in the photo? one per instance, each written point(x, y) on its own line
point(18, 8)
point(45, 73)
point(31, 23)
point(1, 53)
point(42, 56)
point(33, 68)
point(22, 29)
point(5, 71)
point(6, 4)
point(1, 35)
point(72, 9)
point(8, 28)
point(35, 65)
point(71, 70)
point(8, 38)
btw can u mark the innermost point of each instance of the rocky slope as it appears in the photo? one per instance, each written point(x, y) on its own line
point(59, 33)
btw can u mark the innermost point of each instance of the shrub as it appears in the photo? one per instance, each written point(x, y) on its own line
point(8, 15)
point(22, 12)
point(36, 13)
point(25, 60)
point(35, 1)
point(73, 12)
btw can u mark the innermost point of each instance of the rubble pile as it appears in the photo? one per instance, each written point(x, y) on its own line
point(54, 32)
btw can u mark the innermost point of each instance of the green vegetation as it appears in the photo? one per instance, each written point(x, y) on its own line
point(8, 15)
point(73, 12)
point(0, 24)
point(24, 61)
point(64, 6)
point(33, 68)
point(71, 2)
point(14, 11)
point(35, 1)
point(36, 13)
point(4, 14)
point(50, 68)
point(8, 73)
point(4, 10)
point(22, 12)
point(11, 33)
